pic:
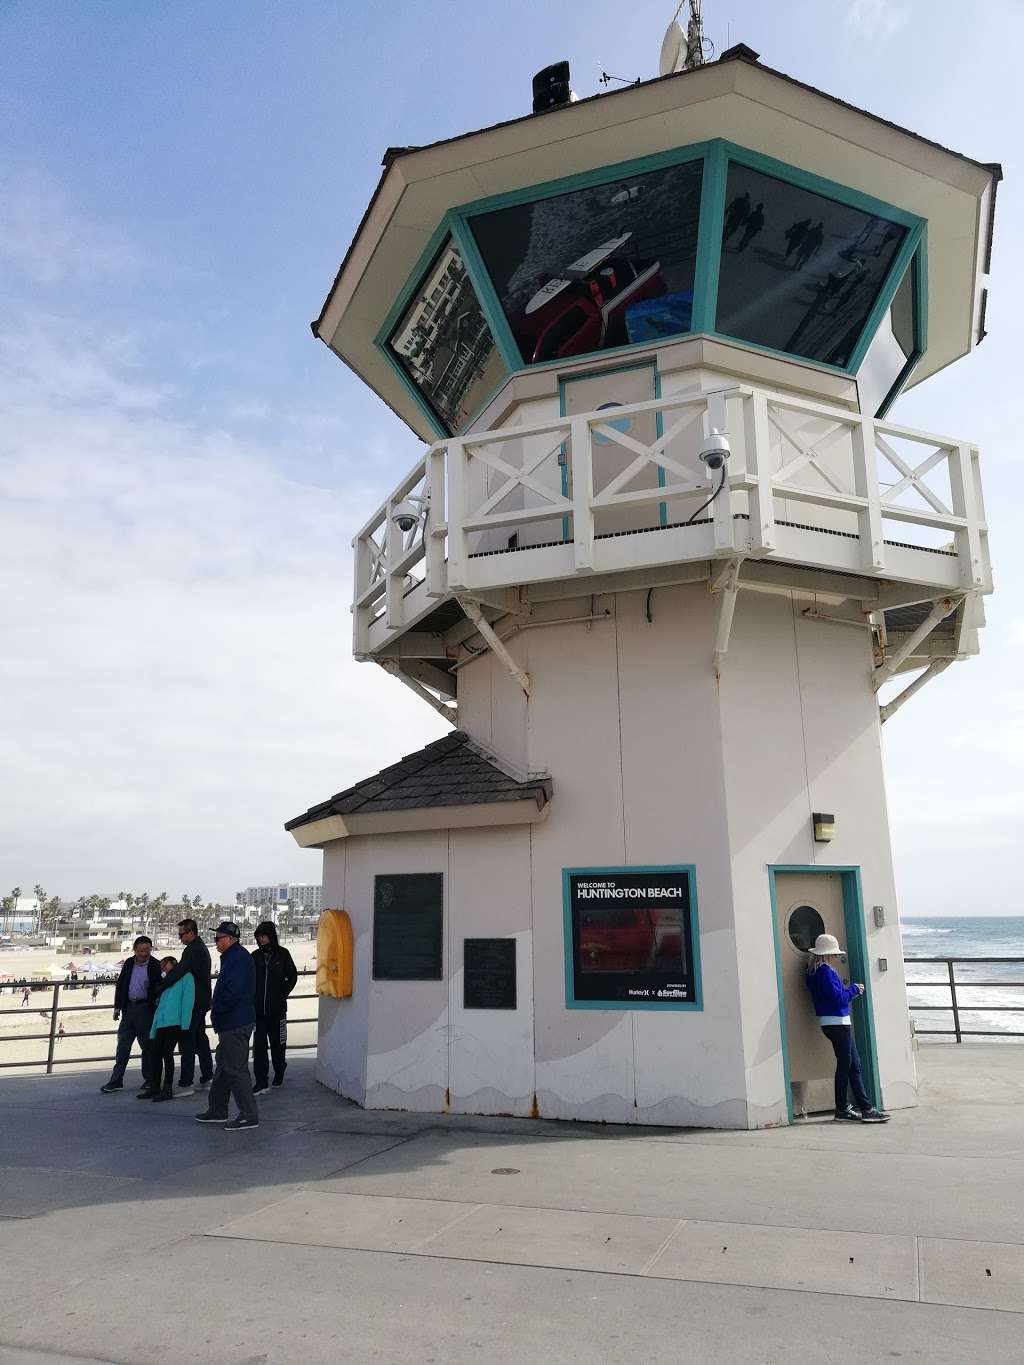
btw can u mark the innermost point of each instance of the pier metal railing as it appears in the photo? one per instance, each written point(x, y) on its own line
point(955, 1006)
point(54, 1009)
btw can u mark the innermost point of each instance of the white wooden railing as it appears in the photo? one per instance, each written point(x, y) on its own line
point(807, 484)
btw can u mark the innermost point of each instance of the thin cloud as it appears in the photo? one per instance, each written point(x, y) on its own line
point(47, 243)
point(876, 18)
point(176, 666)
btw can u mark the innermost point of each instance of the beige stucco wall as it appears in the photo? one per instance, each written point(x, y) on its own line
point(653, 761)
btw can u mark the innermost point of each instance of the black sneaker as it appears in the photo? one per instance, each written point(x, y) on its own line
point(147, 1094)
point(236, 1125)
point(110, 1087)
point(163, 1095)
point(207, 1117)
point(874, 1115)
point(848, 1115)
point(277, 1082)
point(261, 1090)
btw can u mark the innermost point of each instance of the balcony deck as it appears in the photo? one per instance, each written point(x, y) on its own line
point(129, 1233)
point(809, 489)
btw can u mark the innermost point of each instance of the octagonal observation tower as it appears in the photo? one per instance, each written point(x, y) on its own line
point(660, 551)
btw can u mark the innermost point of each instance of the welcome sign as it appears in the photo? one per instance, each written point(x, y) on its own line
point(631, 932)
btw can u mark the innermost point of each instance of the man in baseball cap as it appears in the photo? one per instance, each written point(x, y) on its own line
point(233, 1016)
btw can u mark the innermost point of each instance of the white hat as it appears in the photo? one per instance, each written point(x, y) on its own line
point(825, 945)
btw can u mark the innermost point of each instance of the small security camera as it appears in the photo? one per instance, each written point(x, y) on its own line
point(405, 515)
point(715, 450)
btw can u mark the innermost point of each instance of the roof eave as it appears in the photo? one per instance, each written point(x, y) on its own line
point(529, 809)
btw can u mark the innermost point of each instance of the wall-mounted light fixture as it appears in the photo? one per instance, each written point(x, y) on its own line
point(824, 827)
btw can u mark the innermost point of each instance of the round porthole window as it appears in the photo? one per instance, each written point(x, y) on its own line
point(805, 924)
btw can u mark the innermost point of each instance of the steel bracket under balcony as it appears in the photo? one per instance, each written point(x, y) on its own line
point(394, 667)
point(473, 610)
point(727, 586)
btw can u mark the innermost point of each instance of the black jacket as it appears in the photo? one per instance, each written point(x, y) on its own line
point(121, 989)
point(275, 974)
point(194, 961)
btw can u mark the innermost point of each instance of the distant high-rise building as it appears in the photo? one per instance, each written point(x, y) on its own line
point(277, 896)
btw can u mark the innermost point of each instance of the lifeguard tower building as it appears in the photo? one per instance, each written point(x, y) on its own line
point(660, 550)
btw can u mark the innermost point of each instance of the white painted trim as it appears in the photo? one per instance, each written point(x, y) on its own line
point(524, 811)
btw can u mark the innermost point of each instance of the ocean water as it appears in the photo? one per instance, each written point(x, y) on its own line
point(966, 937)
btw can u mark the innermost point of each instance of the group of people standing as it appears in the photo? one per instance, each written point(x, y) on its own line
point(162, 1006)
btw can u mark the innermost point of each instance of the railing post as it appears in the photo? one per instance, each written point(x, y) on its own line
point(722, 526)
point(394, 540)
point(865, 483)
point(53, 1028)
point(760, 495)
point(458, 548)
point(435, 522)
point(968, 541)
point(952, 992)
point(582, 465)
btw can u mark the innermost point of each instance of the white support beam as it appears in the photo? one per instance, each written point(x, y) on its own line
point(727, 585)
point(933, 670)
point(393, 667)
point(472, 610)
point(938, 613)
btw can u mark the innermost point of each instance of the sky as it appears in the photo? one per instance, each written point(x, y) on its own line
point(182, 466)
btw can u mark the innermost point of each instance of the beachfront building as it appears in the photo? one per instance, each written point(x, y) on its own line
point(304, 897)
point(667, 566)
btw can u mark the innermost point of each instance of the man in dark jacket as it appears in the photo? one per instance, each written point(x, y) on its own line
point(275, 980)
point(134, 1003)
point(194, 962)
point(232, 1014)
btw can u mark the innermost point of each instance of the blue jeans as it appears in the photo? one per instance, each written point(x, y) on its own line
point(848, 1072)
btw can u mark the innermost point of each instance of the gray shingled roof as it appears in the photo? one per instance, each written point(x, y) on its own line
point(450, 772)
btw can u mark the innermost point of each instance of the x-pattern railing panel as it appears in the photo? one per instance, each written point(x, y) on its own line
point(810, 451)
point(612, 493)
point(517, 477)
point(784, 447)
point(913, 476)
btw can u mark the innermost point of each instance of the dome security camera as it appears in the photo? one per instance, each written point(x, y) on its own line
point(715, 450)
point(405, 515)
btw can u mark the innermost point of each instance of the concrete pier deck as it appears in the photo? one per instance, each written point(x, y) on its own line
point(129, 1233)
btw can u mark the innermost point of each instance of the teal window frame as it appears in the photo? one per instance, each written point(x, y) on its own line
point(716, 156)
point(919, 266)
point(860, 969)
point(628, 1006)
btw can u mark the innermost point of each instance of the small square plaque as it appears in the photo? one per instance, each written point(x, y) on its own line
point(489, 974)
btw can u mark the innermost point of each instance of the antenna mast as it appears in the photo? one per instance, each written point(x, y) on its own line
point(694, 38)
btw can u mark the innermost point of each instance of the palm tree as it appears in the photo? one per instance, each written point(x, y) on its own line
point(50, 913)
point(40, 896)
point(13, 899)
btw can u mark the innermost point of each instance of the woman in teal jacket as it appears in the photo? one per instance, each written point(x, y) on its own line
point(173, 1017)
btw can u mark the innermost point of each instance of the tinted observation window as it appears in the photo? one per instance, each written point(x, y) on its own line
point(799, 272)
point(444, 344)
point(599, 267)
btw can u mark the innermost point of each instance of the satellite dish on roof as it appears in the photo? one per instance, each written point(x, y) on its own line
point(673, 50)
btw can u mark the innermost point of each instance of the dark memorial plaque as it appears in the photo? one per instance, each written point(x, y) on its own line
point(489, 974)
point(632, 936)
point(408, 927)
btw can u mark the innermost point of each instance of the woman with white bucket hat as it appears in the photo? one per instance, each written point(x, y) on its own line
point(832, 1006)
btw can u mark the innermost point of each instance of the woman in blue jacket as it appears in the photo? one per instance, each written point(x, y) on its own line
point(832, 1006)
point(173, 1017)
